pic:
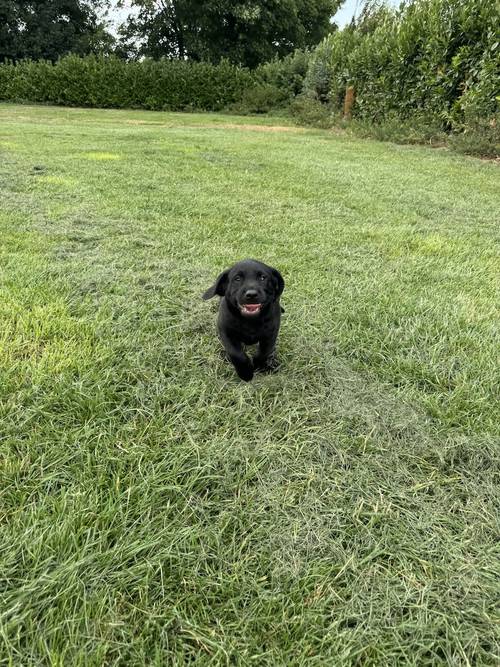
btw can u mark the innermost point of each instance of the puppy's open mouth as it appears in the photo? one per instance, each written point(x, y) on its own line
point(250, 308)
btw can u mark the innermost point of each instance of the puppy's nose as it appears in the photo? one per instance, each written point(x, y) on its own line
point(251, 294)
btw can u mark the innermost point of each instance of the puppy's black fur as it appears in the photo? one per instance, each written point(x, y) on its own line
point(249, 313)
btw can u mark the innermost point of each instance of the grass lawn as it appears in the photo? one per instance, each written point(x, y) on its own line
point(154, 510)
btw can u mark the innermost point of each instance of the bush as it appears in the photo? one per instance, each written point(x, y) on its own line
point(308, 111)
point(260, 98)
point(287, 74)
point(328, 74)
point(100, 81)
point(481, 138)
point(416, 130)
point(436, 58)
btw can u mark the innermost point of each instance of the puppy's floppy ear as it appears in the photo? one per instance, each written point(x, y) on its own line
point(279, 282)
point(219, 286)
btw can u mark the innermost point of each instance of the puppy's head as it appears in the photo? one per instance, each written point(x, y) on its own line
point(249, 286)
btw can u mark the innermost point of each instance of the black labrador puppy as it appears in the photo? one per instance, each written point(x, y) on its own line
point(249, 313)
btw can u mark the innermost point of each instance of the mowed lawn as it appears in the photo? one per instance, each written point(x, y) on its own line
point(155, 510)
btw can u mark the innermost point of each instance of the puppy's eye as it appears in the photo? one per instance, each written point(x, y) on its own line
point(261, 277)
point(237, 278)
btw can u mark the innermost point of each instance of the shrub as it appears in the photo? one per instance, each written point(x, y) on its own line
point(261, 98)
point(100, 81)
point(416, 130)
point(287, 73)
point(309, 111)
point(480, 137)
point(432, 57)
point(319, 75)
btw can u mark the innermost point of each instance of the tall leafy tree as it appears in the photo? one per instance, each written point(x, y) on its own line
point(50, 28)
point(246, 32)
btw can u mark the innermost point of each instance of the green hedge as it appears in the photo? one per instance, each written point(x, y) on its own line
point(431, 58)
point(99, 81)
point(286, 74)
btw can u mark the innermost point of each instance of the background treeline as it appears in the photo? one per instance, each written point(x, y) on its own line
point(244, 32)
point(428, 71)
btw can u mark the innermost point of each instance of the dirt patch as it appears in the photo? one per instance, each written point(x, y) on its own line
point(257, 128)
point(148, 122)
point(221, 126)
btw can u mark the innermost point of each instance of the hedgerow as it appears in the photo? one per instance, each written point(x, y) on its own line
point(434, 58)
point(99, 81)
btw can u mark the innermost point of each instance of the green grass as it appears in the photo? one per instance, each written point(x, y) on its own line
point(155, 510)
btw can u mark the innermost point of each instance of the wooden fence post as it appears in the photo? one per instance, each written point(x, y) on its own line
point(349, 102)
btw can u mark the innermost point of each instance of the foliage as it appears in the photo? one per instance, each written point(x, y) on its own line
point(261, 98)
point(418, 129)
point(309, 111)
point(246, 34)
point(478, 137)
point(327, 73)
point(111, 82)
point(287, 74)
point(50, 28)
point(431, 57)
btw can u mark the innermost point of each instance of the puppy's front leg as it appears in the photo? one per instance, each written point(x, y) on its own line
point(240, 360)
point(263, 358)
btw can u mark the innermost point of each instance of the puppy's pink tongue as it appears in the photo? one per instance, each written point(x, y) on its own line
point(252, 307)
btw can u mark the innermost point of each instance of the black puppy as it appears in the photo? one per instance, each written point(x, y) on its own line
point(249, 313)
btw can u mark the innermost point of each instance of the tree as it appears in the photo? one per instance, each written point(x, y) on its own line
point(50, 28)
point(246, 32)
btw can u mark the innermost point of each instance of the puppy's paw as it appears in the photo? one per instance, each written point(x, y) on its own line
point(243, 366)
point(267, 365)
point(245, 372)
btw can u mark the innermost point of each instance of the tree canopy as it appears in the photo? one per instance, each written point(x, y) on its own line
point(50, 28)
point(246, 32)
